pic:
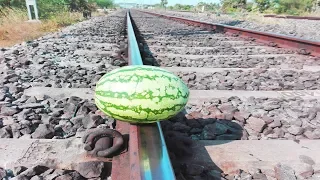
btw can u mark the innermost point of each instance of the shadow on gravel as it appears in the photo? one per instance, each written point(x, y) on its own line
point(121, 57)
point(146, 54)
point(187, 137)
point(188, 32)
point(233, 23)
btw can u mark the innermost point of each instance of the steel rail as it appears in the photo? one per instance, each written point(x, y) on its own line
point(148, 155)
point(302, 46)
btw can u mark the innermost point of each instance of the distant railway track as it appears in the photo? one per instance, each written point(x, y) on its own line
point(272, 15)
point(275, 40)
point(253, 111)
point(293, 17)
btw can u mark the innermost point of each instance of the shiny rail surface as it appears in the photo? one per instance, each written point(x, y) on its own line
point(133, 48)
point(149, 158)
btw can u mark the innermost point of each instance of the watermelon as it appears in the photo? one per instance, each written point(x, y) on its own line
point(141, 94)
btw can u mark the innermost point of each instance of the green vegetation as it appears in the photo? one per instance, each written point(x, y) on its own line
point(290, 7)
point(233, 5)
point(105, 3)
point(181, 7)
point(293, 7)
point(51, 8)
point(262, 5)
point(163, 3)
point(207, 7)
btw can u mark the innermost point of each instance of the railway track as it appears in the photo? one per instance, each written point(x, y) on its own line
point(299, 28)
point(293, 17)
point(253, 111)
point(217, 68)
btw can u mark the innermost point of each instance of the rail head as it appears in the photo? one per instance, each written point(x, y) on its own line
point(148, 156)
point(134, 56)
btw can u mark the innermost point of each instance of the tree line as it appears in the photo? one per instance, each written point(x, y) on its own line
point(293, 7)
point(48, 8)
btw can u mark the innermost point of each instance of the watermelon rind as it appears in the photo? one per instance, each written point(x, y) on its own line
point(141, 94)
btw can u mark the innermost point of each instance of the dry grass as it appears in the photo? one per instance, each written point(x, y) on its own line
point(59, 21)
point(14, 27)
point(98, 13)
point(315, 14)
point(258, 18)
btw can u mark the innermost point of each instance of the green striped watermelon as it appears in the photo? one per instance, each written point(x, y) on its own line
point(141, 94)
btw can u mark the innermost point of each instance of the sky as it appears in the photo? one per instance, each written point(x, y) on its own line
point(170, 2)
